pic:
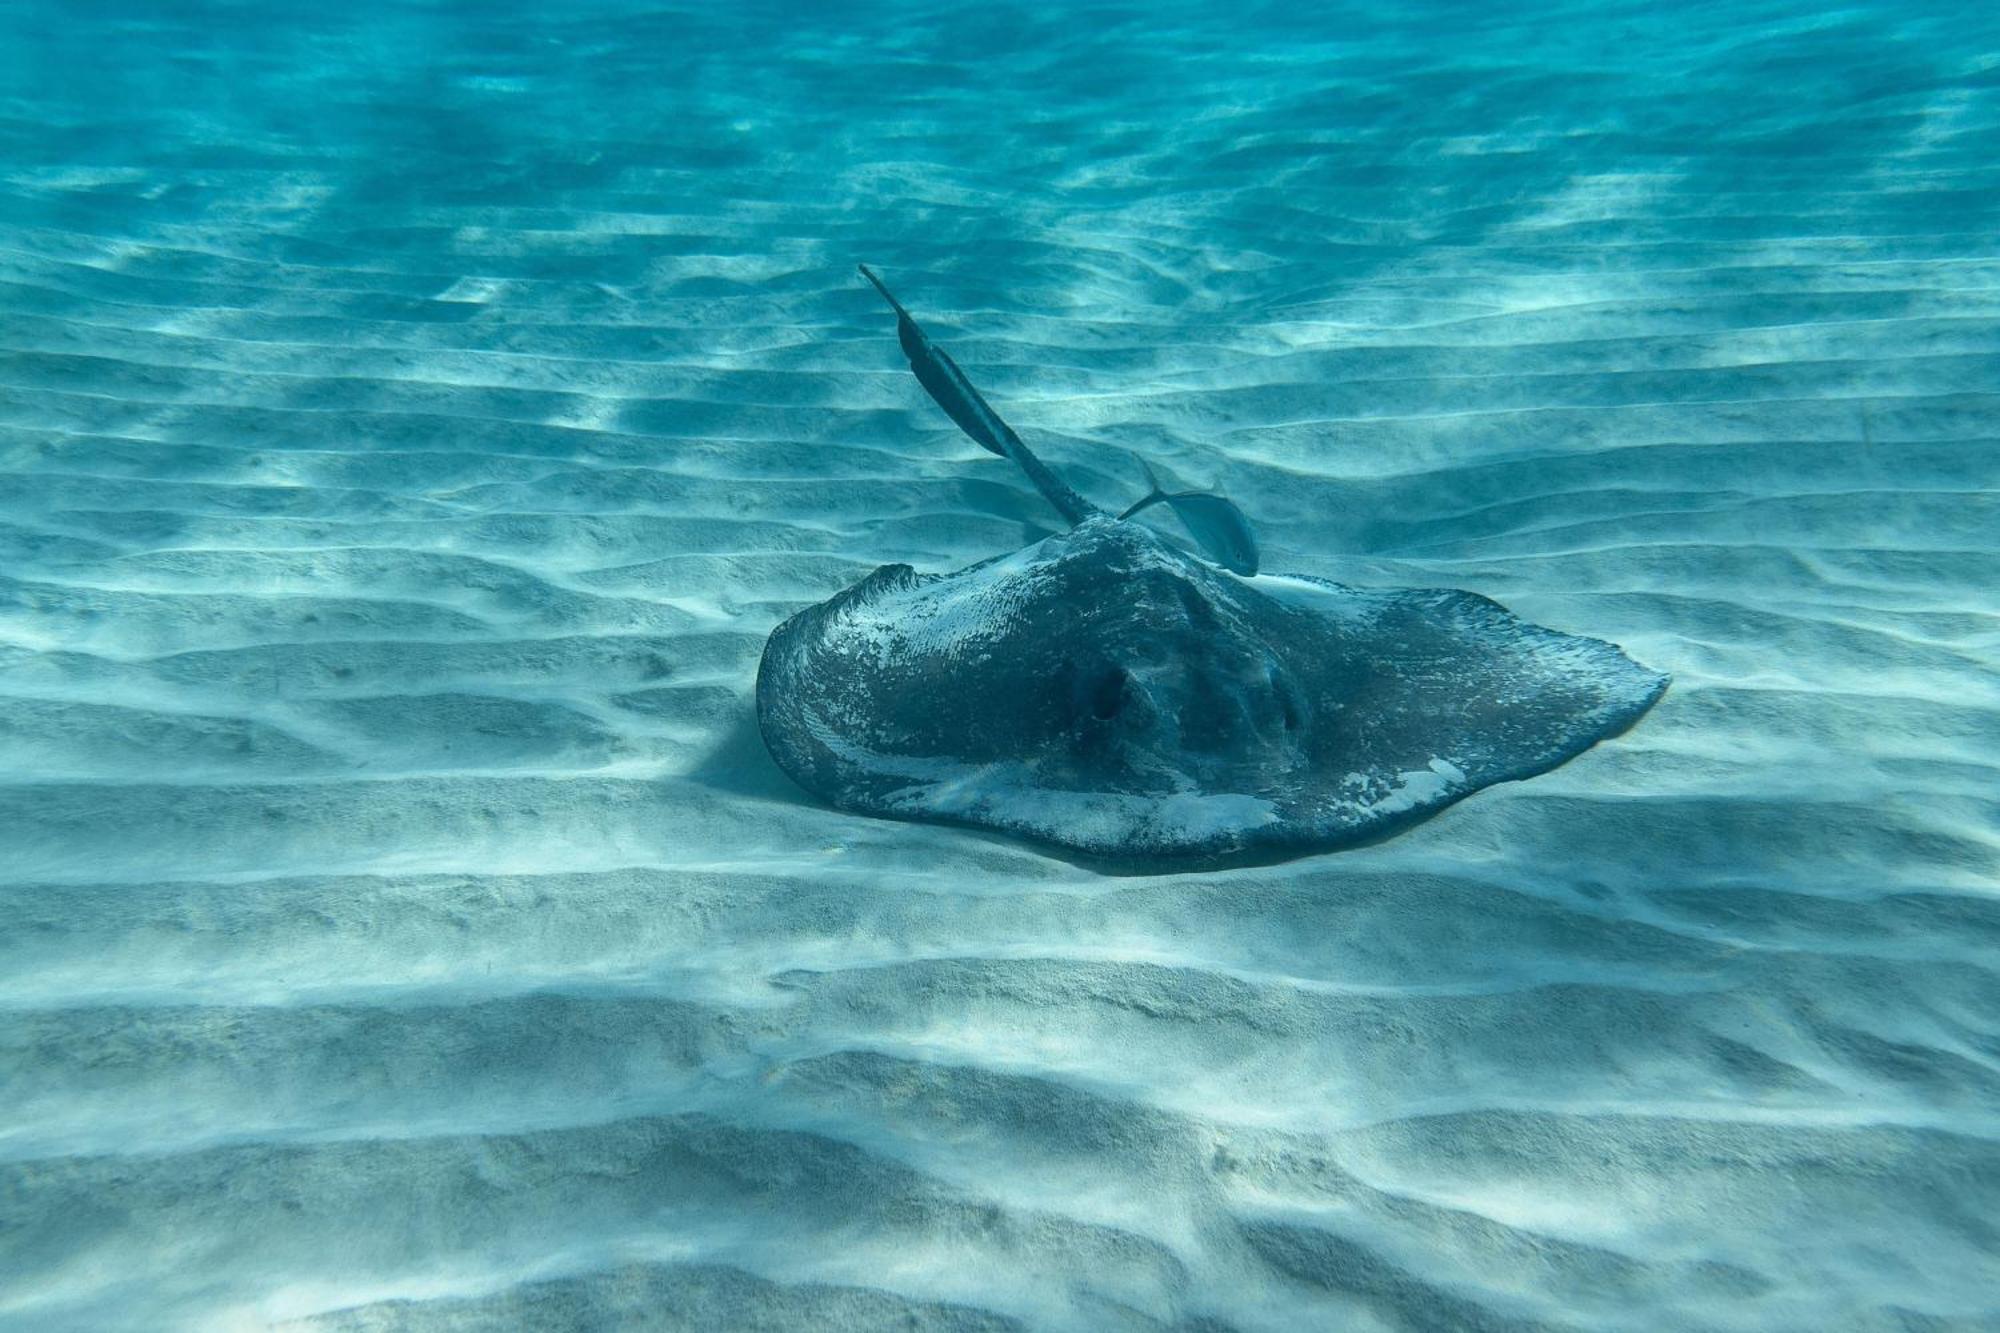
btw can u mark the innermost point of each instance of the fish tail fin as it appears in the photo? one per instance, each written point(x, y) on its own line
point(1146, 503)
point(1154, 491)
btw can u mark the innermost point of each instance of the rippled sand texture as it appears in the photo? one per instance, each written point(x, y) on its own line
point(414, 419)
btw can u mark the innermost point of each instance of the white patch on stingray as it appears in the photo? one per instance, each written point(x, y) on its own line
point(1007, 794)
point(1343, 604)
point(1419, 786)
point(950, 616)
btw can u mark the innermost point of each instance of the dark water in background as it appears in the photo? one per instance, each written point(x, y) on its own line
point(413, 418)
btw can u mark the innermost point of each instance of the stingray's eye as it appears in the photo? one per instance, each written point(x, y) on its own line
point(1107, 693)
point(1290, 707)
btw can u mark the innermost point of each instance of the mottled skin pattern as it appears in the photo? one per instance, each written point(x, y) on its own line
point(1109, 694)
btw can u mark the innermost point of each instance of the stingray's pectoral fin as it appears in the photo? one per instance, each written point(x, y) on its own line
point(952, 391)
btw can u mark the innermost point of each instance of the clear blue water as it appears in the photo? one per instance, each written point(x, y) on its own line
point(413, 417)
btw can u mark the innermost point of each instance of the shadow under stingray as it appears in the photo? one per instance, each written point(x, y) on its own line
point(740, 765)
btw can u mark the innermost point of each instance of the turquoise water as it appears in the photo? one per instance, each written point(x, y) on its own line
point(414, 417)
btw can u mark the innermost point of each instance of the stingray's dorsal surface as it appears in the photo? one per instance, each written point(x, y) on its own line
point(1110, 694)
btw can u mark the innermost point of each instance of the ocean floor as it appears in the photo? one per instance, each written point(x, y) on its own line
point(414, 417)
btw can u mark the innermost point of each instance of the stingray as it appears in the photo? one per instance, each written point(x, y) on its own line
point(1123, 699)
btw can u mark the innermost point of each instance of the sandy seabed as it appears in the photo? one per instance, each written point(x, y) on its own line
point(413, 417)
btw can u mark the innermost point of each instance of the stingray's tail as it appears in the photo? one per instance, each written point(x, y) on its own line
point(949, 388)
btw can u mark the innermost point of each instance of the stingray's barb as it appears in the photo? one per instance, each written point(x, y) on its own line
point(887, 295)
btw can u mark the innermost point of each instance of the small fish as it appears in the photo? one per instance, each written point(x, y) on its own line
point(1220, 527)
